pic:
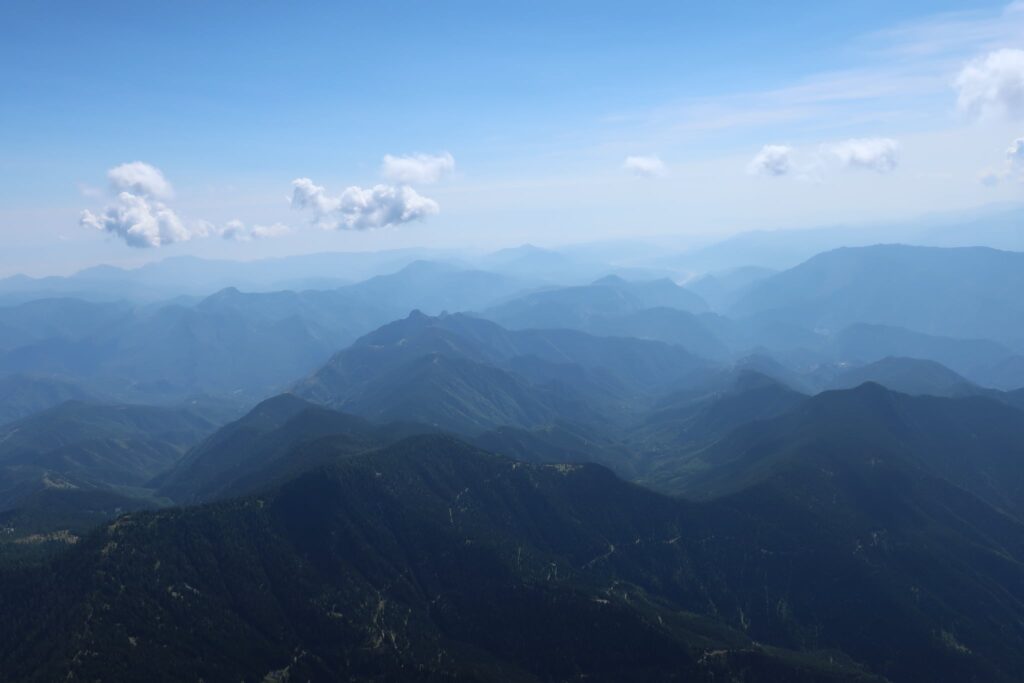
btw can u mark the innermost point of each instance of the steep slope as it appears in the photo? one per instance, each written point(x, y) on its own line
point(258, 449)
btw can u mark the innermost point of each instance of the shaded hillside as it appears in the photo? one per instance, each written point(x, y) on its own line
point(380, 569)
point(975, 443)
point(258, 450)
point(466, 374)
point(432, 559)
point(23, 395)
point(83, 445)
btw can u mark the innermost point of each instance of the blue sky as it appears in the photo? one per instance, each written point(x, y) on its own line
point(538, 105)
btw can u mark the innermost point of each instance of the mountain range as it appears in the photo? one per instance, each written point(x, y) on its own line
point(485, 470)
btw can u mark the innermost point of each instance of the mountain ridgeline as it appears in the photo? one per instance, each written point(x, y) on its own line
point(531, 465)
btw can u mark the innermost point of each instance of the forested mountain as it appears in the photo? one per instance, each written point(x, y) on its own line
point(82, 445)
point(515, 571)
point(467, 374)
point(610, 483)
point(23, 395)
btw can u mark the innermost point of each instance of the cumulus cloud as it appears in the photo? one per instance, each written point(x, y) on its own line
point(417, 169)
point(141, 222)
point(772, 160)
point(993, 85)
point(358, 208)
point(237, 231)
point(646, 166)
point(140, 179)
point(875, 154)
point(1014, 165)
point(137, 214)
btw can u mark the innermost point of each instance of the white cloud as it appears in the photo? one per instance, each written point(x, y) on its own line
point(358, 208)
point(137, 215)
point(273, 230)
point(646, 166)
point(1015, 152)
point(1013, 165)
point(773, 160)
point(141, 222)
point(993, 86)
point(417, 169)
point(876, 154)
point(140, 179)
point(237, 231)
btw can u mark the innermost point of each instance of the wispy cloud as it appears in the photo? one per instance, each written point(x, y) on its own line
point(904, 75)
point(238, 231)
point(417, 169)
point(876, 154)
point(814, 163)
point(646, 166)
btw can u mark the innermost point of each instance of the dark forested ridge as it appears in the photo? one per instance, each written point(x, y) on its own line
point(431, 558)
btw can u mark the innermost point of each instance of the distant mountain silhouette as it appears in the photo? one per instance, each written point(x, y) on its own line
point(577, 307)
point(964, 292)
point(907, 376)
point(23, 395)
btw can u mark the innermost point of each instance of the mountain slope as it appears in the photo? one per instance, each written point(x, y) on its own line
point(23, 395)
point(962, 292)
point(907, 376)
point(258, 449)
point(83, 445)
point(431, 559)
point(469, 375)
point(975, 443)
point(574, 307)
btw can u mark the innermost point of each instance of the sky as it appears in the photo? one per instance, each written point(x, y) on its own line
point(134, 131)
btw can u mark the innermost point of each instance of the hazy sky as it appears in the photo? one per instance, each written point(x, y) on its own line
point(133, 131)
